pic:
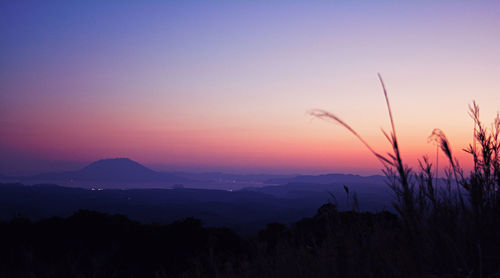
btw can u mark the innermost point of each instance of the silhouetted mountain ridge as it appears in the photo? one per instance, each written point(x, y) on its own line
point(110, 170)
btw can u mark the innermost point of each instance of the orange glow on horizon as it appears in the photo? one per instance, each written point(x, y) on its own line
point(230, 88)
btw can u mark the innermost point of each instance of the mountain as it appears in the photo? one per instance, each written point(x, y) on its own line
point(116, 170)
point(122, 169)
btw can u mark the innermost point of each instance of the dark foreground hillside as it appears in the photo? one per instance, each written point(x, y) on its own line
point(330, 244)
point(92, 244)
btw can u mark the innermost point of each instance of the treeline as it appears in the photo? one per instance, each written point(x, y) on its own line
point(92, 244)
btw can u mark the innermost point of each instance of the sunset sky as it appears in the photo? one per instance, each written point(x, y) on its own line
point(225, 85)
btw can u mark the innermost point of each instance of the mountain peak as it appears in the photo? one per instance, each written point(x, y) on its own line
point(112, 170)
point(119, 161)
point(119, 168)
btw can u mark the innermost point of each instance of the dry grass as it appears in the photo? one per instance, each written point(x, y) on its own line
point(463, 221)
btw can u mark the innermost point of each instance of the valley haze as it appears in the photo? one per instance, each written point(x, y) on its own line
point(245, 203)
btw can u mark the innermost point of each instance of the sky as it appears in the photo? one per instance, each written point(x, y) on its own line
point(226, 85)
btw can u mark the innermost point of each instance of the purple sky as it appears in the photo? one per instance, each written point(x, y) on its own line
point(225, 85)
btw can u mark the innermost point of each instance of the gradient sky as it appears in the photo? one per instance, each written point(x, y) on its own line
point(225, 85)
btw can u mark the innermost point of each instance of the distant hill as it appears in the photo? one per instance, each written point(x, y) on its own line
point(116, 170)
point(123, 169)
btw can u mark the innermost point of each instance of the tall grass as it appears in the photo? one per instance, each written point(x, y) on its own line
point(460, 219)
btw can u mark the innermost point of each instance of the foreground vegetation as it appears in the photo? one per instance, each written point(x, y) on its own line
point(450, 227)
